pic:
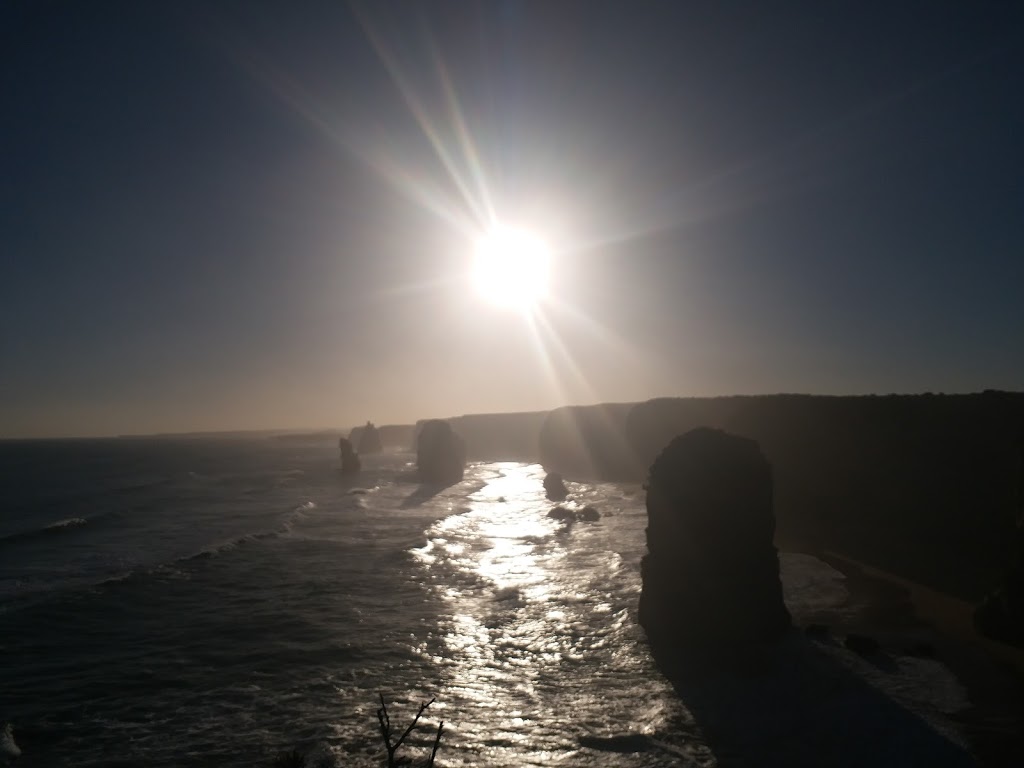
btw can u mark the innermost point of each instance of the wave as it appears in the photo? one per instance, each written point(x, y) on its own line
point(50, 529)
point(288, 523)
point(16, 593)
point(71, 521)
point(8, 748)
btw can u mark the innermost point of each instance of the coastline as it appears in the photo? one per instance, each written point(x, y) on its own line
point(910, 619)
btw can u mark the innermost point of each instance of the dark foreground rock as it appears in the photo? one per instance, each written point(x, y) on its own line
point(440, 453)
point(800, 704)
point(1001, 615)
point(350, 463)
point(711, 575)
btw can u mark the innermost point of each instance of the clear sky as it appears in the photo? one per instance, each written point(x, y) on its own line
point(244, 215)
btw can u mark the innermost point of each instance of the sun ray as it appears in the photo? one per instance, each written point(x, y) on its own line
point(422, 118)
point(551, 336)
point(463, 134)
point(533, 321)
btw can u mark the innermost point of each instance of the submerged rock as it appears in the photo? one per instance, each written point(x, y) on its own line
point(554, 487)
point(589, 514)
point(711, 575)
point(817, 631)
point(863, 645)
point(440, 453)
point(350, 463)
point(921, 650)
point(562, 513)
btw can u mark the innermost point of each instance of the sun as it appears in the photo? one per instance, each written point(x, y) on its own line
point(511, 268)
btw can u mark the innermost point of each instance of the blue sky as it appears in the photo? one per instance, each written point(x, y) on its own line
point(248, 215)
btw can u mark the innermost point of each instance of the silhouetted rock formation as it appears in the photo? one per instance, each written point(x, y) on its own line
point(367, 438)
point(565, 514)
point(554, 487)
point(1001, 614)
point(500, 436)
point(396, 437)
point(350, 463)
point(934, 472)
point(440, 453)
point(711, 575)
point(562, 513)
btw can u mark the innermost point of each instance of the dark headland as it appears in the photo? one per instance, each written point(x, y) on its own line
point(916, 499)
point(921, 486)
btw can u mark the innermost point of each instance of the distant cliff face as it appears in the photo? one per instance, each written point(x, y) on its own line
point(394, 437)
point(589, 442)
point(500, 436)
point(922, 485)
point(368, 439)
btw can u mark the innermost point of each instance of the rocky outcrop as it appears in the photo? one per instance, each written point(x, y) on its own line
point(367, 438)
point(921, 486)
point(562, 513)
point(568, 515)
point(1001, 615)
point(554, 487)
point(440, 453)
point(711, 575)
point(350, 463)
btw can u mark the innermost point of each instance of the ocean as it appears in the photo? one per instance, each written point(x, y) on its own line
point(179, 602)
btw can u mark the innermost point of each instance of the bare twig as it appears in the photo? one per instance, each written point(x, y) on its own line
point(385, 730)
point(437, 743)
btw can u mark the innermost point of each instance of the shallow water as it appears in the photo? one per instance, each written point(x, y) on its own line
point(176, 603)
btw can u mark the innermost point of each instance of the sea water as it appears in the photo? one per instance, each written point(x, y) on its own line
point(214, 602)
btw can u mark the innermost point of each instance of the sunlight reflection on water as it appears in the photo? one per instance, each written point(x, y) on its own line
point(537, 642)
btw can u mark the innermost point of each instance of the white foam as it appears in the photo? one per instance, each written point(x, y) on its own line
point(68, 523)
point(8, 749)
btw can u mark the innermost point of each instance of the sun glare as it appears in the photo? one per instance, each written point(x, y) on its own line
point(511, 268)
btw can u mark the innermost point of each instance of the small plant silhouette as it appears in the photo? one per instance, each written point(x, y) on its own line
point(384, 721)
point(293, 759)
point(296, 759)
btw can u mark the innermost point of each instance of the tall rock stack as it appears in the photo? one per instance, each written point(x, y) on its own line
point(440, 453)
point(711, 575)
point(350, 463)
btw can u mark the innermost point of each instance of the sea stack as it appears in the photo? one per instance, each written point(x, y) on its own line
point(440, 453)
point(350, 463)
point(711, 575)
point(554, 487)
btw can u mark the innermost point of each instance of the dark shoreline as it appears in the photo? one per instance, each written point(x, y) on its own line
point(903, 616)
